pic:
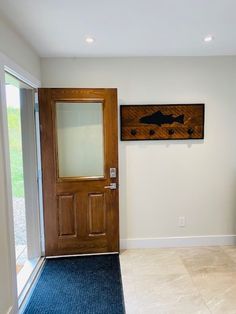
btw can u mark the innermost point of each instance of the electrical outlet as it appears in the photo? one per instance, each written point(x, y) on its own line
point(181, 222)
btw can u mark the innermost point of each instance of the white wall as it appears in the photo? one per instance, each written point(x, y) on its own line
point(15, 49)
point(160, 181)
point(6, 299)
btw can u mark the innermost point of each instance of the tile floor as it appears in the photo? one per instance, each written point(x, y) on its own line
point(197, 280)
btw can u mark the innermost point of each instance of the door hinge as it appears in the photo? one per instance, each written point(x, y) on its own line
point(36, 102)
point(36, 107)
point(39, 175)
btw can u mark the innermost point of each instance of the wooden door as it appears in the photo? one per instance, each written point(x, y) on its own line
point(79, 148)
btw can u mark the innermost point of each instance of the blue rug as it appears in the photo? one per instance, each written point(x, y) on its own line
point(86, 285)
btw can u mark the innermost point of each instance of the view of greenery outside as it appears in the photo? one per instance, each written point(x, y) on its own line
point(15, 142)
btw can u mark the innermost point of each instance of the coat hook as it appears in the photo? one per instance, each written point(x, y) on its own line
point(152, 132)
point(133, 132)
point(190, 131)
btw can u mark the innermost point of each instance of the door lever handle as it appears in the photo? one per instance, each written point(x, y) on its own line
point(112, 186)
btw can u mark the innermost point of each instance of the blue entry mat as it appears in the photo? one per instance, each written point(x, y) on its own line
point(86, 285)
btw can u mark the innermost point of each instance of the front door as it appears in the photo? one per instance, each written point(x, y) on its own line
point(80, 170)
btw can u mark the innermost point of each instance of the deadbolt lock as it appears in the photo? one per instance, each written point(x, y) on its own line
point(112, 172)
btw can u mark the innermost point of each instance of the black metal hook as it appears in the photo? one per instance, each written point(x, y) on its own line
point(152, 132)
point(190, 131)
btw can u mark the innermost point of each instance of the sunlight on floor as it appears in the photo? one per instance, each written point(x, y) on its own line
point(21, 257)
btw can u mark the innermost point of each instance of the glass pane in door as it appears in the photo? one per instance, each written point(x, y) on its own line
point(80, 139)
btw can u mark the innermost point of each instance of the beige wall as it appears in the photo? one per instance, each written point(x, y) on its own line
point(19, 51)
point(160, 181)
point(12, 46)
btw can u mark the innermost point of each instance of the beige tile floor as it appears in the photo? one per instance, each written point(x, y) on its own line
point(197, 280)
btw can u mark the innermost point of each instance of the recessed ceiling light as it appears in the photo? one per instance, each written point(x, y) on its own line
point(208, 38)
point(89, 40)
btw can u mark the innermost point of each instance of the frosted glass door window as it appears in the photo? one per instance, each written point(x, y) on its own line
point(80, 139)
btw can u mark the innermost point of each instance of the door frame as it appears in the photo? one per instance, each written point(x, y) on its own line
point(7, 65)
point(53, 185)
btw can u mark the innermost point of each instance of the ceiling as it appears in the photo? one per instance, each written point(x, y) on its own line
point(58, 28)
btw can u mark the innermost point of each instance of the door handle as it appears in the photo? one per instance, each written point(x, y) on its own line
point(112, 186)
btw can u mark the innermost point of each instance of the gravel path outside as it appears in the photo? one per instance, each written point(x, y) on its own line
point(19, 221)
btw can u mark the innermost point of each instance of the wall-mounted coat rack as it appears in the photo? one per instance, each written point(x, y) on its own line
point(162, 122)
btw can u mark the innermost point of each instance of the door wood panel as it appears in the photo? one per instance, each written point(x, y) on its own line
point(97, 214)
point(67, 215)
point(80, 215)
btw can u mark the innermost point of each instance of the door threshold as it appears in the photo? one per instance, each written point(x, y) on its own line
point(29, 286)
point(24, 275)
point(86, 254)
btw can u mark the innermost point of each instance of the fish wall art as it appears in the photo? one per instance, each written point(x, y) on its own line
point(162, 122)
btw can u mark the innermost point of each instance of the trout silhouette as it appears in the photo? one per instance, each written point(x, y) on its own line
point(159, 118)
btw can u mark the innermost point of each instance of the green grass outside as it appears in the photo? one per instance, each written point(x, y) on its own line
point(14, 127)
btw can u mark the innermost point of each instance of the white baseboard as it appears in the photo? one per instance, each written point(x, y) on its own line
point(212, 240)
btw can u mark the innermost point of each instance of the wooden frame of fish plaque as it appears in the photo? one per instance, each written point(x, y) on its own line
point(162, 122)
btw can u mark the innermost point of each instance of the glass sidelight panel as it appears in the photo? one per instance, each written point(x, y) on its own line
point(23, 166)
point(13, 88)
point(80, 139)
